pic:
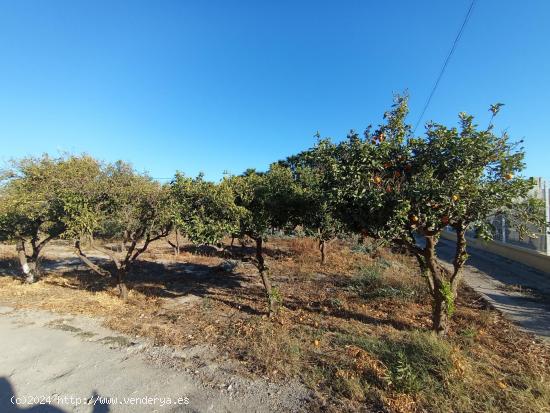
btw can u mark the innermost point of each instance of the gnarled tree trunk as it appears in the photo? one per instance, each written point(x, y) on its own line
point(118, 274)
point(459, 260)
point(265, 278)
point(440, 315)
point(30, 263)
point(121, 283)
point(437, 277)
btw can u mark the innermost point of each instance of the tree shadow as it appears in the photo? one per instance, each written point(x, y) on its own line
point(182, 278)
point(205, 250)
point(10, 402)
point(9, 267)
point(240, 307)
point(317, 307)
point(245, 252)
point(161, 279)
point(12, 268)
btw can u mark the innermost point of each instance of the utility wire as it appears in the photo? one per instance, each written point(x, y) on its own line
point(458, 36)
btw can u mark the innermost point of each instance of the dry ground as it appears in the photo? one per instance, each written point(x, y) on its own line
point(355, 331)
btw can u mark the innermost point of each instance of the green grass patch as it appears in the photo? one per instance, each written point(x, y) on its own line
point(371, 282)
point(414, 361)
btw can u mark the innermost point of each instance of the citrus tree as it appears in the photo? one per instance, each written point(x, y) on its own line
point(472, 174)
point(315, 205)
point(406, 190)
point(31, 207)
point(268, 201)
point(205, 211)
point(123, 206)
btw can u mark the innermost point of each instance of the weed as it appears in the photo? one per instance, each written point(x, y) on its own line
point(414, 361)
point(206, 303)
point(371, 283)
point(402, 376)
point(276, 296)
point(468, 332)
point(335, 303)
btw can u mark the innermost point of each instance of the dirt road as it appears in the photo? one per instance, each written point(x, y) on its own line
point(520, 292)
point(73, 364)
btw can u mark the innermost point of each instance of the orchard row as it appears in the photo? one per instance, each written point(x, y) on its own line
point(385, 184)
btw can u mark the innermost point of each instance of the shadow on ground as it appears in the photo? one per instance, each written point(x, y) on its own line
point(170, 279)
point(10, 402)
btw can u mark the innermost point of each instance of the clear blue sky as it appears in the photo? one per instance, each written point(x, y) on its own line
point(226, 85)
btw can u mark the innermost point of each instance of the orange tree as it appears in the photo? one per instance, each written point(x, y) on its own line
point(31, 203)
point(315, 204)
point(268, 201)
point(406, 190)
point(119, 205)
point(204, 211)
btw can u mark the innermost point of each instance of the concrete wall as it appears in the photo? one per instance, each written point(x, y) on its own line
point(531, 258)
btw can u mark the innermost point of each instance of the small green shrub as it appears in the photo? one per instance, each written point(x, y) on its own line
point(402, 376)
point(276, 295)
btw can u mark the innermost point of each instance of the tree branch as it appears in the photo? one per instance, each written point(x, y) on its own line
point(94, 267)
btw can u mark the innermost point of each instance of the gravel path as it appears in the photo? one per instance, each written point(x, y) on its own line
point(73, 364)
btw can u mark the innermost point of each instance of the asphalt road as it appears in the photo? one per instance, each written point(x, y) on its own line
point(520, 292)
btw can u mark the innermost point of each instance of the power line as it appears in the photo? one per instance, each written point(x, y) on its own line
point(458, 36)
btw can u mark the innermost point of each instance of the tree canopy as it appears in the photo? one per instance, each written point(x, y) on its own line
point(387, 183)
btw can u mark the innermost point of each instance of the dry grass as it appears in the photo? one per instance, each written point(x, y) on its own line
point(354, 330)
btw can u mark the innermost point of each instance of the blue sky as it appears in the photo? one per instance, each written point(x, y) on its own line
point(227, 85)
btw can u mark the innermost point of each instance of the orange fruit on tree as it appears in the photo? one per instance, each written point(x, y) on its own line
point(509, 176)
point(414, 218)
point(455, 198)
point(377, 179)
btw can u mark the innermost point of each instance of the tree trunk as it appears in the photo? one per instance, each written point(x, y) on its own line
point(322, 245)
point(122, 288)
point(27, 267)
point(460, 258)
point(177, 242)
point(94, 267)
point(265, 278)
point(440, 317)
point(440, 314)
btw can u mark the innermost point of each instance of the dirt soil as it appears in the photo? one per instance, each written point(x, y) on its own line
point(196, 325)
